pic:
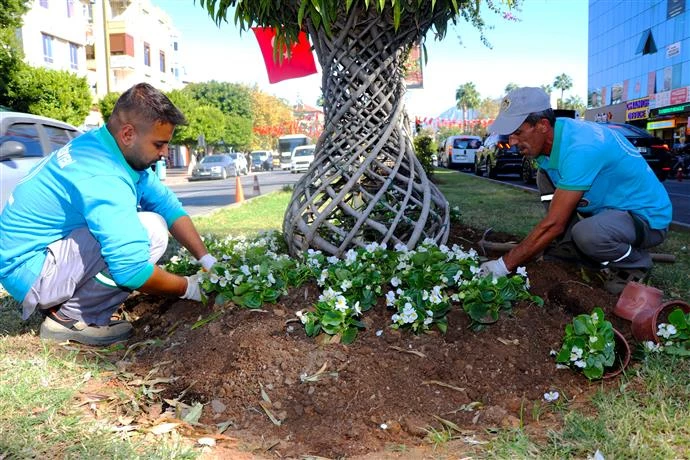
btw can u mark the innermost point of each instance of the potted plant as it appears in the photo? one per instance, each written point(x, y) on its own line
point(675, 334)
point(646, 323)
point(591, 345)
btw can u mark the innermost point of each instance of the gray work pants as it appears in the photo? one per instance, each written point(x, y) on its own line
point(612, 238)
point(75, 275)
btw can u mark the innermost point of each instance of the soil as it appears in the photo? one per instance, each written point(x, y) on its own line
point(378, 395)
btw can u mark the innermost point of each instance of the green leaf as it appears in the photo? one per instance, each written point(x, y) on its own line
point(396, 15)
point(332, 318)
point(300, 12)
point(252, 300)
point(348, 335)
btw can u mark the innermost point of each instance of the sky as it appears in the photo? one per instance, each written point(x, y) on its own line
point(550, 38)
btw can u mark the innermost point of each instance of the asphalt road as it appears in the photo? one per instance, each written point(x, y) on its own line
point(202, 197)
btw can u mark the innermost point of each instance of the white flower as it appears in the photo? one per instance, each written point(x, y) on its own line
point(270, 278)
point(333, 260)
point(595, 316)
point(474, 269)
point(395, 281)
point(345, 285)
point(652, 346)
point(428, 320)
point(223, 282)
point(580, 363)
point(575, 353)
point(341, 303)
point(522, 271)
point(593, 339)
point(379, 333)
point(551, 396)
point(561, 366)
point(409, 314)
point(356, 308)
point(350, 257)
point(444, 249)
point(302, 317)
point(390, 298)
point(174, 259)
point(322, 278)
point(384, 426)
point(239, 279)
point(666, 330)
point(213, 278)
point(371, 247)
point(395, 318)
point(425, 295)
point(552, 353)
point(401, 247)
point(245, 269)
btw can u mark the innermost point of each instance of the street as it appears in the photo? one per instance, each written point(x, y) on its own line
point(202, 197)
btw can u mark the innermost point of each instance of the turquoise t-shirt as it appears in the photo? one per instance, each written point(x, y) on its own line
point(86, 183)
point(592, 158)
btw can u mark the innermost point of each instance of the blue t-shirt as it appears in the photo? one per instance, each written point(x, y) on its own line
point(86, 183)
point(603, 164)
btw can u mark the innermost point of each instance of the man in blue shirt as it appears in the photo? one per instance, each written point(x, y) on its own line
point(602, 195)
point(87, 225)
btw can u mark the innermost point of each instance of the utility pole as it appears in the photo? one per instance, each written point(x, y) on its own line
point(106, 42)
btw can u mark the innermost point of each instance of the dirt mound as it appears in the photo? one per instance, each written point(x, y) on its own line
point(386, 388)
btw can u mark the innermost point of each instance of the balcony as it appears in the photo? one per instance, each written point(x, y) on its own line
point(122, 62)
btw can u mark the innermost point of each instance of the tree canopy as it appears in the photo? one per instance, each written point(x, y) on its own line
point(11, 13)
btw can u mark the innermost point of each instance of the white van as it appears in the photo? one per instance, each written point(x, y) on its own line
point(459, 151)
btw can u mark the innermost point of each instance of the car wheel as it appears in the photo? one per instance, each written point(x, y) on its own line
point(527, 172)
point(477, 169)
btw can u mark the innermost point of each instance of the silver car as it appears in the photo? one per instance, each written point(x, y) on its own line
point(214, 167)
point(24, 140)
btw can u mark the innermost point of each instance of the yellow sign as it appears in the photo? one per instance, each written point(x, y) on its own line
point(661, 124)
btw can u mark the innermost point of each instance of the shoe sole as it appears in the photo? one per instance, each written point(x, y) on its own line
point(47, 333)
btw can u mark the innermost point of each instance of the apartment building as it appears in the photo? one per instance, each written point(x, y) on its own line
point(114, 43)
point(639, 65)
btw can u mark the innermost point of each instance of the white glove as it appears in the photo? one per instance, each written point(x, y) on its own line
point(207, 261)
point(495, 267)
point(193, 291)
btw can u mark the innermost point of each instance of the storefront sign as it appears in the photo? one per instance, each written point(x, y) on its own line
point(673, 50)
point(666, 98)
point(674, 109)
point(637, 109)
point(661, 124)
point(678, 96)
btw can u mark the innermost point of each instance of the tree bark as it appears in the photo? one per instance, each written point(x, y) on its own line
point(366, 183)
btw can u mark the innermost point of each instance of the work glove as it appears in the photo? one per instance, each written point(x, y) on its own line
point(193, 291)
point(207, 261)
point(495, 267)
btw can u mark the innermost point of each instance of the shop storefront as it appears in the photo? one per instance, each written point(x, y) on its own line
point(668, 116)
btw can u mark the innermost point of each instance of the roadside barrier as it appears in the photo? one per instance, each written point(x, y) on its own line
point(255, 189)
point(239, 191)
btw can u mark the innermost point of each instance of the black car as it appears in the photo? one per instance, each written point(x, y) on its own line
point(653, 150)
point(497, 156)
point(262, 160)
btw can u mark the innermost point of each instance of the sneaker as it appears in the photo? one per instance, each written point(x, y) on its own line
point(60, 329)
point(615, 279)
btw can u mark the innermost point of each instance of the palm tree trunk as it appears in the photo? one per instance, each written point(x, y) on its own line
point(366, 183)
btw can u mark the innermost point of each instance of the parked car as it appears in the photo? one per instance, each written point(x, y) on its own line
point(218, 166)
point(302, 158)
point(24, 140)
point(497, 156)
point(653, 150)
point(262, 160)
point(459, 151)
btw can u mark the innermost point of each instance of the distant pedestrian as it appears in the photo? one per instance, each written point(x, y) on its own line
point(86, 227)
point(605, 205)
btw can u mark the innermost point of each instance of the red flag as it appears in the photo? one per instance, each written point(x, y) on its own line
point(299, 64)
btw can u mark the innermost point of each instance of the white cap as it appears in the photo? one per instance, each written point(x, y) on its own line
point(516, 106)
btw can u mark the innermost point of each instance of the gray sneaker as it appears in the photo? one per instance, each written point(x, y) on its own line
point(615, 279)
point(116, 331)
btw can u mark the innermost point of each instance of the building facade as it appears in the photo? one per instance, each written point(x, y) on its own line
point(639, 65)
point(113, 43)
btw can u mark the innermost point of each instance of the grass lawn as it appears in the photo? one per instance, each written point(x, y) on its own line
point(47, 408)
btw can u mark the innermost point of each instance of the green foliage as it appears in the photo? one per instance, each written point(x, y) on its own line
point(425, 148)
point(289, 18)
point(107, 104)
point(11, 13)
point(238, 132)
point(675, 334)
point(230, 98)
point(467, 97)
point(589, 344)
point(564, 83)
point(57, 94)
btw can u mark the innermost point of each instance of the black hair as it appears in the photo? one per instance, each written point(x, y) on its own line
point(533, 118)
point(143, 103)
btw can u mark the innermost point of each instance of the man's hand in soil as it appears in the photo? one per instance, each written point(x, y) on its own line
point(495, 267)
point(193, 291)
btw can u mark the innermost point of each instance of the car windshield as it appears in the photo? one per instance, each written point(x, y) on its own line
point(304, 152)
point(257, 155)
point(629, 130)
point(212, 159)
point(465, 144)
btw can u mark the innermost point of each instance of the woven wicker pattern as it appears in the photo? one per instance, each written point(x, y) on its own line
point(366, 184)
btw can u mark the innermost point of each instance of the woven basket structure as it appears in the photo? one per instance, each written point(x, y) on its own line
point(366, 183)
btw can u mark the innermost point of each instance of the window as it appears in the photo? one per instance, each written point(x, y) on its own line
point(147, 54)
point(27, 134)
point(70, 8)
point(162, 61)
point(73, 56)
point(47, 48)
point(57, 136)
point(175, 46)
point(646, 45)
point(43, 3)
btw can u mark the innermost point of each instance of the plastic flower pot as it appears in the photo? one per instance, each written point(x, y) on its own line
point(646, 322)
point(622, 356)
point(636, 297)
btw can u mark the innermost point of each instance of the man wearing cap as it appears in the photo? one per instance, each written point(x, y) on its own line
point(603, 201)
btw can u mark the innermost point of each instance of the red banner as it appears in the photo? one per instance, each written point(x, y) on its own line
point(300, 63)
